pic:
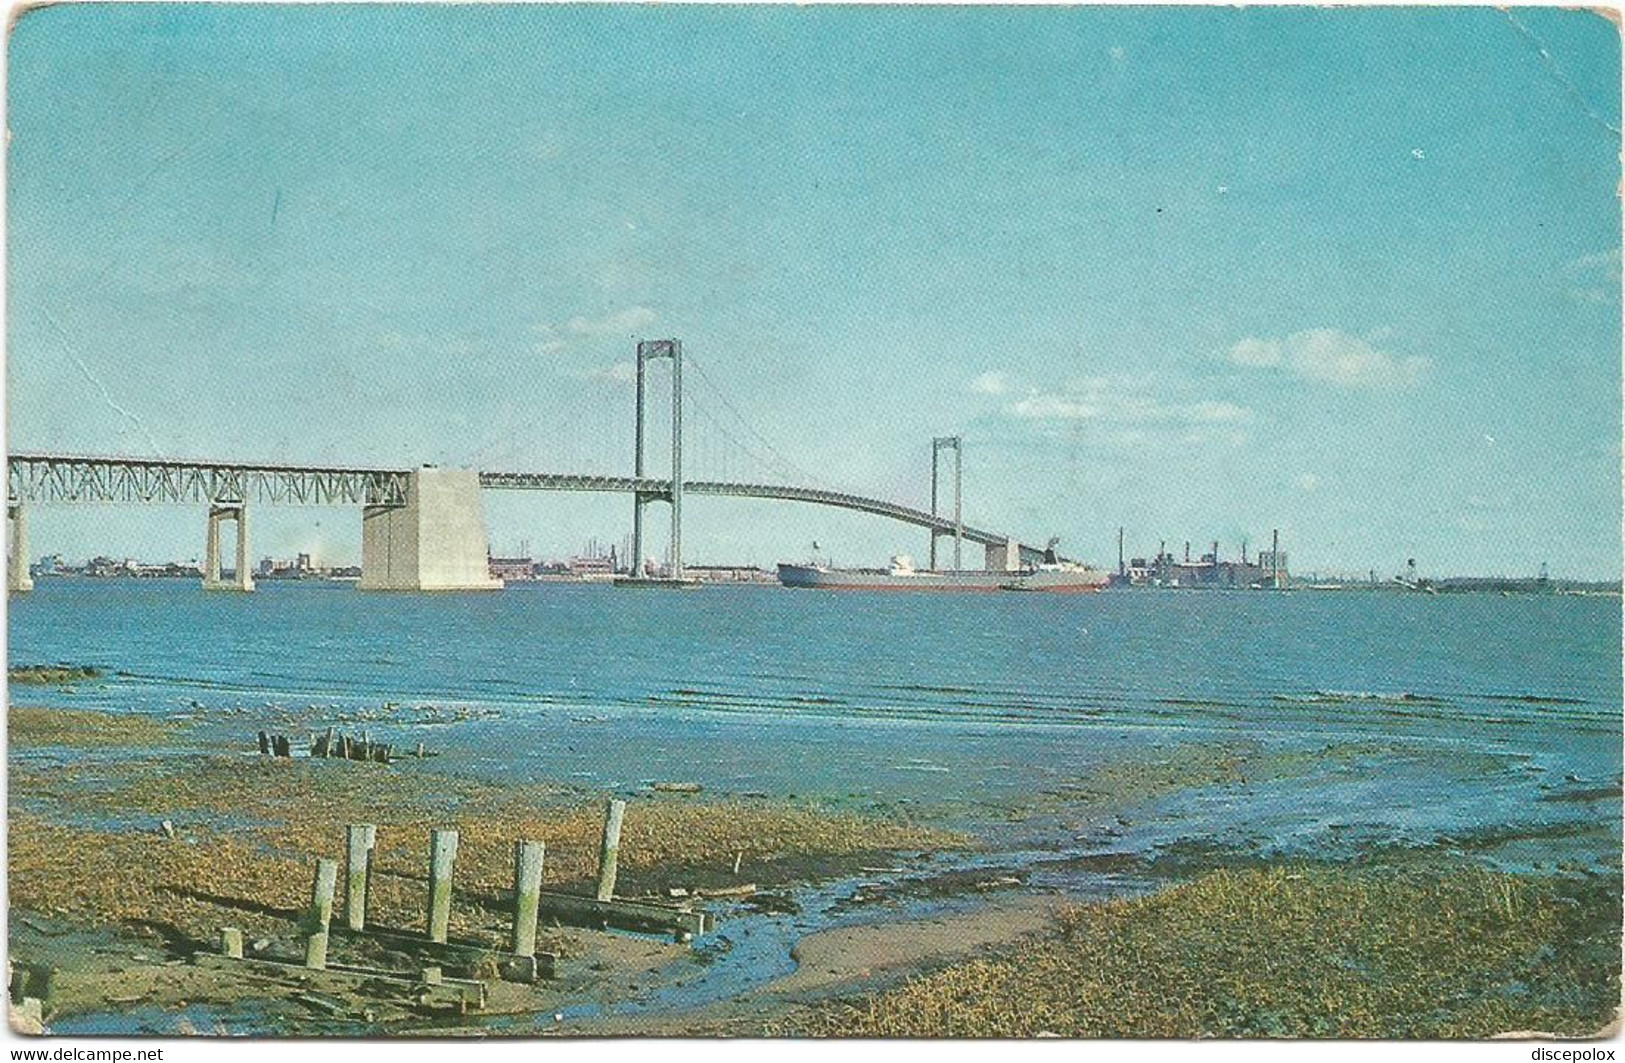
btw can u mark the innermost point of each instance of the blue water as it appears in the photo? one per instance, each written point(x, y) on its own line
point(1480, 704)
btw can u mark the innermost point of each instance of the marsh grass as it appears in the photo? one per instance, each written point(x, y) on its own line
point(28, 727)
point(1287, 952)
point(249, 830)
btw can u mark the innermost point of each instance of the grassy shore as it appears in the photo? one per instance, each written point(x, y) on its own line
point(86, 843)
point(32, 727)
point(1311, 951)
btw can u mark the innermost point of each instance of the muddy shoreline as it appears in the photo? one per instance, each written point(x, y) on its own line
point(135, 839)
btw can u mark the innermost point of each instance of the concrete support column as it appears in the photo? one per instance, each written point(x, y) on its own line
point(18, 580)
point(211, 553)
point(242, 579)
point(436, 541)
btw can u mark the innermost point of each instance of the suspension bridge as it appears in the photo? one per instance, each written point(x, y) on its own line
point(424, 528)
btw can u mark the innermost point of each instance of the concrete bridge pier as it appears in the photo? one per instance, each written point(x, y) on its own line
point(436, 541)
point(242, 579)
point(17, 578)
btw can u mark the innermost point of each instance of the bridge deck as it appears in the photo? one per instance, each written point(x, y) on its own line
point(35, 477)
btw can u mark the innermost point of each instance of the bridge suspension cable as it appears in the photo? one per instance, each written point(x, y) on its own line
point(777, 460)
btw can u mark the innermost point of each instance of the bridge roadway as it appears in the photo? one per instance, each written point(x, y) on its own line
point(36, 477)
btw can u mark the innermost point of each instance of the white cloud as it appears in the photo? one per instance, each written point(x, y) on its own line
point(1329, 356)
point(1256, 352)
point(620, 373)
point(1307, 481)
point(619, 322)
point(1040, 407)
point(1606, 261)
point(550, 346)
point(1126, 400)
point(991, 382)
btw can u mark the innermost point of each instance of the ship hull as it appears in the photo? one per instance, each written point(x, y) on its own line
point(1052, 581)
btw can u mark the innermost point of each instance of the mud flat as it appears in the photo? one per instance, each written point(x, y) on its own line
point(124, 868)
point(1426, 950)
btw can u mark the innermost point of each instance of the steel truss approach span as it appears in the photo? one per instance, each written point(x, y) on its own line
point(64, 478)
point(71, 478)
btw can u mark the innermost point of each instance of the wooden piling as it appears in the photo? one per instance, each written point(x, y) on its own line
point(527, 888)
point(442, 855)
point(321, 913)
point(609, 851)
point(265, 744)
point(360, 839)
point(231, 942)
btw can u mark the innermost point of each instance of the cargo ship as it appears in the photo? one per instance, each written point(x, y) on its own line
point(1061, 577)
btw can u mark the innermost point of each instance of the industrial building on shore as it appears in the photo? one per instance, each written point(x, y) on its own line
point(1267, 570)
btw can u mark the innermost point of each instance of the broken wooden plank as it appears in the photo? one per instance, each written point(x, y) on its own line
point(625, 915)
point(461, 955)
point(459, 994)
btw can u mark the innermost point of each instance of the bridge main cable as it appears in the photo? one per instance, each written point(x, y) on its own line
point(77, 478)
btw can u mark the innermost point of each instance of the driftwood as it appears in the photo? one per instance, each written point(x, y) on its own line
point(330, 744)
point(456, 994)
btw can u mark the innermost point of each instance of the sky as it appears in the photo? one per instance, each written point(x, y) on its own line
point(1199, 273)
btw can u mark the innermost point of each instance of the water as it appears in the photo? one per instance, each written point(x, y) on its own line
point(957, 702)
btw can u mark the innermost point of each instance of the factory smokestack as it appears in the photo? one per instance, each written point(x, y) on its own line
point(1120, 568)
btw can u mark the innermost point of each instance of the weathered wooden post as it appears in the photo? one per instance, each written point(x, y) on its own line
point(321, 913)
point(442, 855)
point(231, 942)
point(360, 839)
point(265, 744)
point(527, 889)
point(609, 851)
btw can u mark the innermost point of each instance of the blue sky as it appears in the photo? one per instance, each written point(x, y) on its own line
point(1200, 272)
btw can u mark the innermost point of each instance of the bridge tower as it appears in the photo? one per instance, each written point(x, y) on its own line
point(219, 513)
point(648, 351)
point(17, 578)
point(938, 445)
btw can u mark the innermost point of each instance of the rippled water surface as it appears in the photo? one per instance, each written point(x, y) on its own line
point(1449, 714)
